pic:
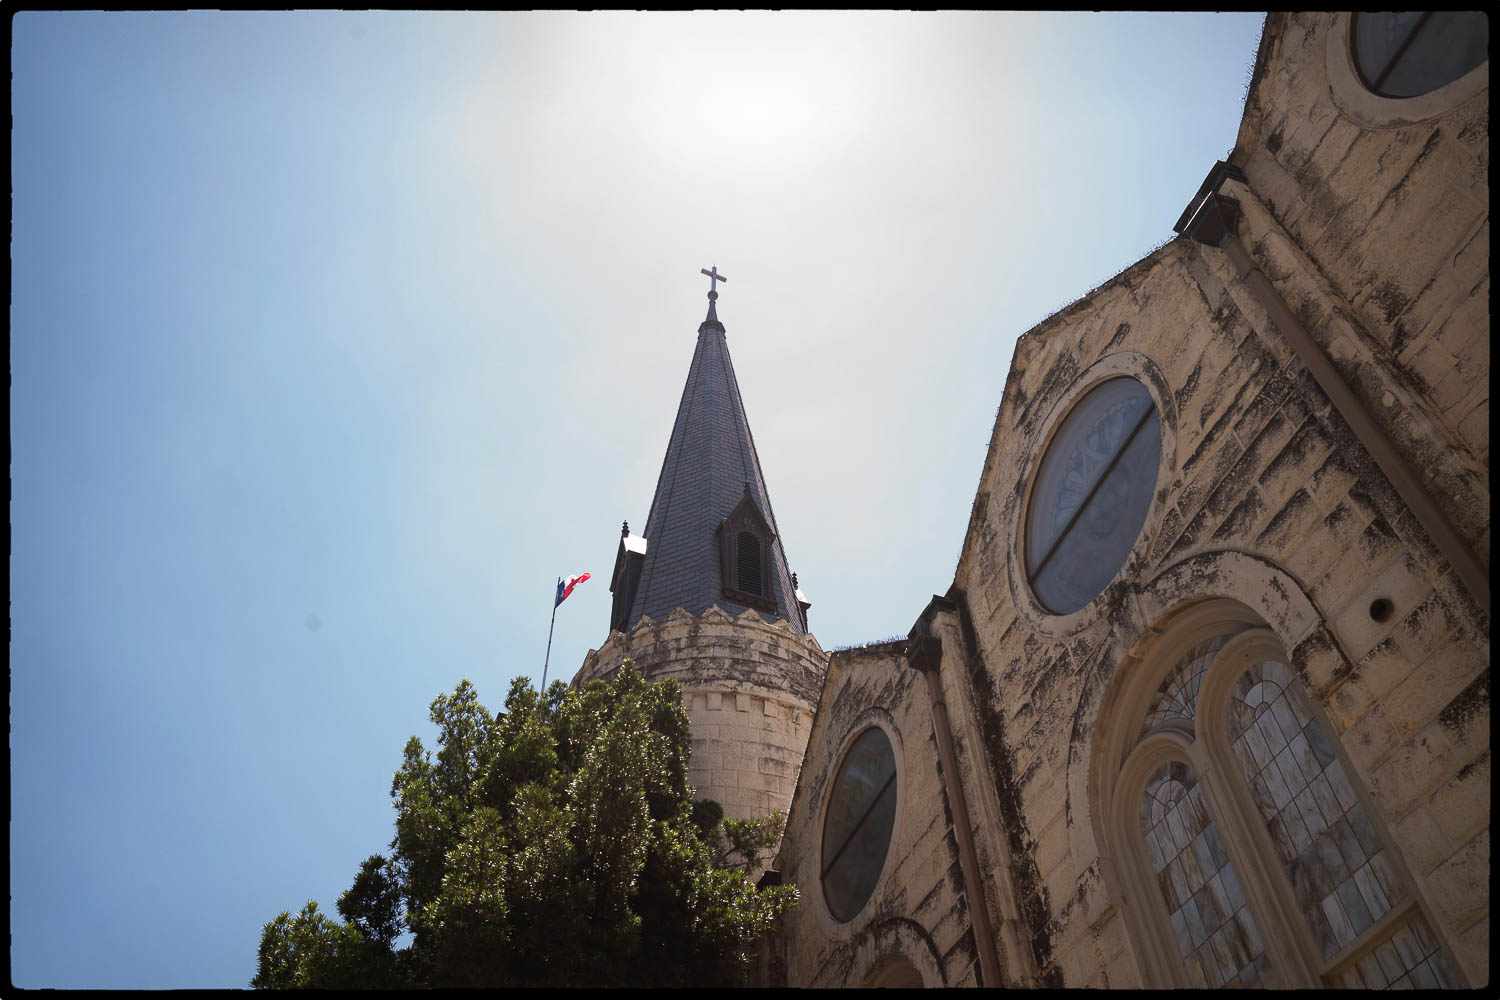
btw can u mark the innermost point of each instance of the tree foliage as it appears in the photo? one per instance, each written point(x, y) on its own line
point(552, 845)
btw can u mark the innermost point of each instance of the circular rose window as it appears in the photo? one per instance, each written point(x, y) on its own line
point(857, 824)
point(1093, 489)
point(1409, 53)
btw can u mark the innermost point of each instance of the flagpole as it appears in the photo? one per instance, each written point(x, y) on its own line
point(549, 639)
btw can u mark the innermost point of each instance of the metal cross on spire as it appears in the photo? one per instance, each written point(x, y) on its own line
point(714, 277)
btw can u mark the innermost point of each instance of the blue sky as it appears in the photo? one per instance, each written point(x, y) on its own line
point(337, 337)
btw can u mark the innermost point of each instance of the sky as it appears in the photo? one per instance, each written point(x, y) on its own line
point(335, 338)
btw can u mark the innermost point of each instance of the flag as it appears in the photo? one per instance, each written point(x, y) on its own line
point(565, 587)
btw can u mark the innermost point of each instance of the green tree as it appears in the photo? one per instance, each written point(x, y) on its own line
point(553, 845)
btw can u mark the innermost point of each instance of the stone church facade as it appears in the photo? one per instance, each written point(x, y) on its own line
point(1207, 700)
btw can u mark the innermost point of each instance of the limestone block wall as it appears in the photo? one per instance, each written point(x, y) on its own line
point(918, 915)
point(748, 688)
point(1377, 230)
point(747, 749)
point(1266, 499)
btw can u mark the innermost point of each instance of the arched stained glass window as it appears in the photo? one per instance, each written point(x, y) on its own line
point(1408, 53)
point(1240, 813)
point(1340, 872)
point(857, 824)
point(1216, 936)
point(1093, 489)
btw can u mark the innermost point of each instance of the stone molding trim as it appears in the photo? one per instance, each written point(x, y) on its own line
point(713, 699)
point(892, 937)
point(1260, 586)
point(836, 931)
point(1369, 109)
point(714, 651)
point(1013, 526)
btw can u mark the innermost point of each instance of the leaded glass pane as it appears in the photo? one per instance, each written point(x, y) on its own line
point(1177, 698)
point(1340, 874)
point(1216, 936)
point(857, 825)
point(1093, 489)
point(1410, 958)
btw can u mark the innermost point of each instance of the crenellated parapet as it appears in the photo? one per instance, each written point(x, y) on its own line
point(749, 688)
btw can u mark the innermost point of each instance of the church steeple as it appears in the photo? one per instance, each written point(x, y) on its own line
point(711, 537)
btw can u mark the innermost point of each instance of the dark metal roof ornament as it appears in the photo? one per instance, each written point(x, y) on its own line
point(625, 529)
point(1212, 218)
point(714, 277)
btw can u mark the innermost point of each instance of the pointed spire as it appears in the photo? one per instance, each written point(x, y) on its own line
point(702, 530)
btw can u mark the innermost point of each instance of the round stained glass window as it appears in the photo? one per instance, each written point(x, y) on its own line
point(1093, 489)
point(1409, 53)
point(857, 824)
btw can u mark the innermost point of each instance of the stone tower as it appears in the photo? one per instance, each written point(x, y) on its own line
point(705, 596)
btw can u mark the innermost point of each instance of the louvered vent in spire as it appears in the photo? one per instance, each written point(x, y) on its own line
point(749, 575)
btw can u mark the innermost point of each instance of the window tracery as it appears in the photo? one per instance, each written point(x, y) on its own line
point(1178, 696)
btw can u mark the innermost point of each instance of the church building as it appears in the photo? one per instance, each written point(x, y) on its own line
point(1206, 702)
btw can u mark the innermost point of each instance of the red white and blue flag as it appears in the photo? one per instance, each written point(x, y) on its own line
point(565, 587)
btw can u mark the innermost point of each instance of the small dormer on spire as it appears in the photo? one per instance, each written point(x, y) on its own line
point(745, 546)
point(626, 578)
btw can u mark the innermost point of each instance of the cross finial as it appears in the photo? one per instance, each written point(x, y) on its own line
point(714, 277)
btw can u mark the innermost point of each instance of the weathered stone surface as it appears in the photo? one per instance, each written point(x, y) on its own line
point(1271, 527)
point(749, 689)
point(1461, 883)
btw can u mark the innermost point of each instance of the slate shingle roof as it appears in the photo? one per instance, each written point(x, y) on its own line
point(710, 458)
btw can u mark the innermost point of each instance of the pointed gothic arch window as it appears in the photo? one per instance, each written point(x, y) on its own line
point(1244, 838)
